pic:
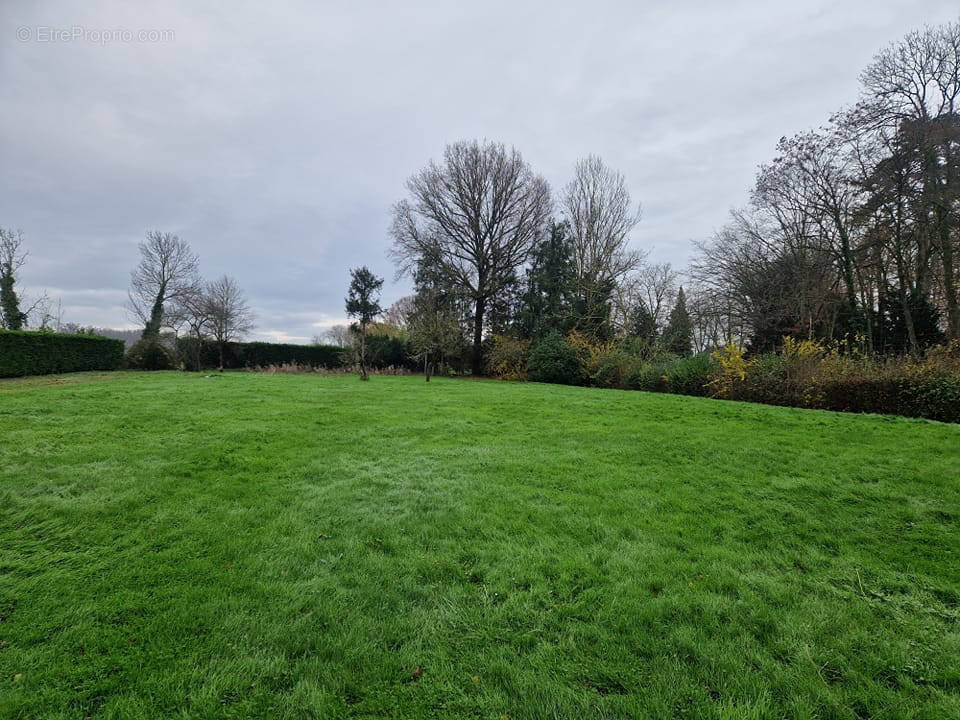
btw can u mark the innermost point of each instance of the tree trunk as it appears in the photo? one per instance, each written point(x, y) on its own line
point(363, 352)
point(220, 348)
point(949, 282)
point(426, 366)
point(477, 359)
point(846, 260)
point(152, 329)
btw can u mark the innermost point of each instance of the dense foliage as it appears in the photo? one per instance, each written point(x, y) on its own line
point(24, 352)
point(258, 354)
point(553, 360)
point(507, 357)
point(151, 353)
point(831, 377)
point(799, 374)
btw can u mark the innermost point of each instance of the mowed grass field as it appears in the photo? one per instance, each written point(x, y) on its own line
point(260, 546)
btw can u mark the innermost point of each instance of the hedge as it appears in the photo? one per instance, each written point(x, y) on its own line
point(258, 354)
point(33, 352)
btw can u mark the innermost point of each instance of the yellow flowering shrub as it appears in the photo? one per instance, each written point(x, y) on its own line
point(732, 369)
point(507, 358)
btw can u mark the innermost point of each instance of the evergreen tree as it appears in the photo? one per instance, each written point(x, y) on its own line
point(13, 318)
point(363, 303)
point(642, 325)
point(592, 310)
point(546, 301)
point(678, 337)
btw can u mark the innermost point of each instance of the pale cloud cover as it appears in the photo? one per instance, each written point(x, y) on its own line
point(275, 137)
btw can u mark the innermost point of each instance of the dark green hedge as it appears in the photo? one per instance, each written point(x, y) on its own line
point(382, 351)
point(258, 354)
point(386, 351)
point(28, 352)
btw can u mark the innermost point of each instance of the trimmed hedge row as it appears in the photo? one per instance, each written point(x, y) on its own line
point(34, 352)
point(259, 354)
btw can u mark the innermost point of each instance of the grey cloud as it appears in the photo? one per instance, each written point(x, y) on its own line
point(274, 138)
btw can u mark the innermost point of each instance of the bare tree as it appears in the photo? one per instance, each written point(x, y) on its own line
point(768, 283)
point(339, 335)
point(399, 313)
point(167, 270)
point(601, 215)
point(192, 308)
point(657, 284)
point(229, 317)
point(474, 218)
point(808, 189)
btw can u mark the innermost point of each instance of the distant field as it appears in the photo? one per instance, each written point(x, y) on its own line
point(268, 546)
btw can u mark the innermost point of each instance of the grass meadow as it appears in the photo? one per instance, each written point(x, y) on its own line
point(300, 546)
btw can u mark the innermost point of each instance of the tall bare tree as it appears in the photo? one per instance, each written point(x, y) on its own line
point(167, 270)
point(474, 218)
point(193, 309)
point(808, 188)
point(229, 317)
point(339, 335)
point(400, 312)
point(601, 214)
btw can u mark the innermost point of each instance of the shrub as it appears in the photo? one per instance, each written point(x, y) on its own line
point(611, 367)
point(553, 360)
point(507, 357)
point(151, 354)
point(840, 377)
point(30, 352)
point(731, 371)
point(691, 375)
point(934, 395)
point(651, 377)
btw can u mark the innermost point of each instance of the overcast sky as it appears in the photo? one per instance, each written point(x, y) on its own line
point(274, 137)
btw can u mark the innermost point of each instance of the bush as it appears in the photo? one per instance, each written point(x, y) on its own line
point(151, 354)
point(838, 377)
point(691, 375)
point(611, 367)
point(30, 352)
point(650, 377)
point(507, 357)
point(553, 360)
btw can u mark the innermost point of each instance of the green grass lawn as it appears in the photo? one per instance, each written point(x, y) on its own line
point(316, 547)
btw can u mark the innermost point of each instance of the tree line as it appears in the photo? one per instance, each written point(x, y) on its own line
point(167, 291)
point(480, 236)
point(852, 230)
point(851, 233)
